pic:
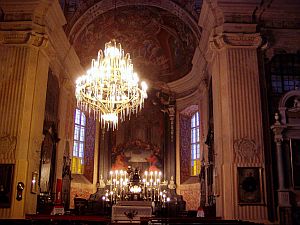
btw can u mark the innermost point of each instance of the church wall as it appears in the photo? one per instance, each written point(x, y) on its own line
point(83, 185)
point(189, 186)
point(191, 194)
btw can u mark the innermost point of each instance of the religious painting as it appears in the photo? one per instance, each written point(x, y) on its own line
point(249, 185)
point(160, 44)
point(6, 176)
point(137, 154)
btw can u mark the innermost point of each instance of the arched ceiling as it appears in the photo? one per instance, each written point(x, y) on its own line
point(160, 43)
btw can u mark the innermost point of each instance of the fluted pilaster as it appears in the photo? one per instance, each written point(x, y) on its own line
point(11, 97)
point(23, 79)
point(238, 122)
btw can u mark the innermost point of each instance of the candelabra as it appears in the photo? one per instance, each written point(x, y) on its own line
point(130, 185)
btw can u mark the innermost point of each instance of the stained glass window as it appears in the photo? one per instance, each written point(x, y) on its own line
point(195, 144)
point(79, 139)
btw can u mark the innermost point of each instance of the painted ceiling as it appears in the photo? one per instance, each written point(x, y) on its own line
point(160, 43)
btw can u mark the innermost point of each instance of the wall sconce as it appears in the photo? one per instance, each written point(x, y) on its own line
point(34, 180)
point(20, 188)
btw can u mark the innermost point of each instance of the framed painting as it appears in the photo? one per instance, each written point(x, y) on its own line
point(249, 185)
point(6, 180)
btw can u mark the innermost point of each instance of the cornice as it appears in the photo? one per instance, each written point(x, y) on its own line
point(39, 23)
point(26, 38)
point(278, 40)
point(235, 40)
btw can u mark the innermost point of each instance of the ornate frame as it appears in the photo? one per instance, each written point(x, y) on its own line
point(250, 188)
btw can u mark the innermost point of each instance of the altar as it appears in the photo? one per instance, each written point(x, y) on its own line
point(131, 211)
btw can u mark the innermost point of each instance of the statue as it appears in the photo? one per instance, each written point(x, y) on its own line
point(101, 182)
point(172, 184)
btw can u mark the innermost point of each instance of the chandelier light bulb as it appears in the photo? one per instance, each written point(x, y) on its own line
point(109, 91)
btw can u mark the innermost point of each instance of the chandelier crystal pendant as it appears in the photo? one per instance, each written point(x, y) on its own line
point(110, 90)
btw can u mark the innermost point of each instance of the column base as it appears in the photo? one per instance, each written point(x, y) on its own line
point(284, 198)
point(285, 216)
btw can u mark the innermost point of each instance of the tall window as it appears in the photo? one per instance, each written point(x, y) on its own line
point(285, 73)
point(79, 140)
point(195, 144)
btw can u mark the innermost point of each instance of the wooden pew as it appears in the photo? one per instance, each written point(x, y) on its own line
point(192, 220)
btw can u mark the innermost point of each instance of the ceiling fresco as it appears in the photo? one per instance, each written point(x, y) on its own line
point(160, 44)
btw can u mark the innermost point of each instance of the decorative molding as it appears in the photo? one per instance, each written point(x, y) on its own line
point(241, 40)
point(68, 85)
point(172, 112)
point(30, 38)
point(37, 147)
point(7, 143)
point(280, 41)
point(277, 129)
point(246, 150)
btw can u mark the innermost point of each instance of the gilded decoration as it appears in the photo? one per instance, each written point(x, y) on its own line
point(160, 44)
point(245, 150)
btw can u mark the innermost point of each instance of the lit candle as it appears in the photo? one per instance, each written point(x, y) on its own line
point(116, 174)
point(111, 174)
point(110, 185)
point(146, 174)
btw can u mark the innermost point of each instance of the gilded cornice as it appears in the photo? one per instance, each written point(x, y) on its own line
point(235, 40)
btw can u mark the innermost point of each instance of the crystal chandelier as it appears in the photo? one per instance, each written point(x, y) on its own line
point(110, 89)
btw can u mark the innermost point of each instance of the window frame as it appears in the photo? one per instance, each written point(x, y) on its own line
point(79, 141)
point(195, 163)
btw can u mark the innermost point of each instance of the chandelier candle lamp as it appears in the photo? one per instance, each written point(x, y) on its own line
point(124, 186)
point(110, 90)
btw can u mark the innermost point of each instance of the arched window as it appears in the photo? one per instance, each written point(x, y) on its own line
point(285, 73)
point(195, 144)
point(79, 142)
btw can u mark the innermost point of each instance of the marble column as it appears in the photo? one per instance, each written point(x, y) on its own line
point(238, 129)
point(171, 154)
point(283, 193)
point(66, 110)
